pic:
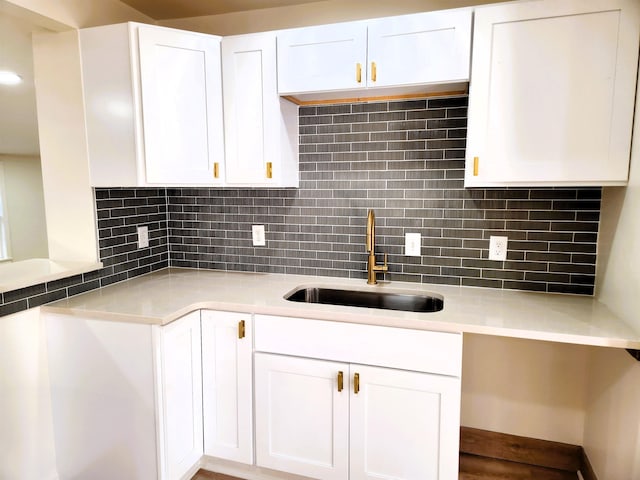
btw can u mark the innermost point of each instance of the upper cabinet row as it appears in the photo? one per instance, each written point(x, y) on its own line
point(156, 115)
point(551, 92)
point(404, 54)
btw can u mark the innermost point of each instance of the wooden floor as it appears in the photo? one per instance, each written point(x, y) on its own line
point(472, 467)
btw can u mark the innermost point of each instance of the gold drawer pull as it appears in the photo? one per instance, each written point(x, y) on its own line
point(340, 381)
point(476, 162)
point(216, 170)
point(356, 383)
point(269, 170)
point(241, 329)
point(374, 72)
point(358, 73)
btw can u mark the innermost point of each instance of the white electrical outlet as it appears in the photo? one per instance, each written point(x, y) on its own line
point(257, 233)
point(143, 237)
point(412, 243)
point(498, 248)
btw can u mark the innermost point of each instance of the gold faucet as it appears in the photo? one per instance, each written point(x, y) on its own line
point(372, 268)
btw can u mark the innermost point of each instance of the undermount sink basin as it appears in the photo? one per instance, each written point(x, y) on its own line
point(407, 302)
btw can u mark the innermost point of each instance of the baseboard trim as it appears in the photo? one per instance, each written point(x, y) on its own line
point(530, 451)
point(586, 470)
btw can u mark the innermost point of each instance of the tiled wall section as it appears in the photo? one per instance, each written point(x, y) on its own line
point(403, 159)
point(119, 212)
point(406, 161)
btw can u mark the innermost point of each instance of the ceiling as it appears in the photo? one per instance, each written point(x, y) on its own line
point(166, 9)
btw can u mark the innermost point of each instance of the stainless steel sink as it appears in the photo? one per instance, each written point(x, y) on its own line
point(407, 302)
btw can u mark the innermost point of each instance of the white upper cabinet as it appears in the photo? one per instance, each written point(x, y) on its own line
point(420, 49)
point(326, 57)
point(261, 129)
point(153, 99)
point(404, 51)
point(552, 93)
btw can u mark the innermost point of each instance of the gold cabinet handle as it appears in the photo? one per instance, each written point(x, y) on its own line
point(476, 162)
point(356, 383)
point(340, 381)
point(374, 72)
point(216, 170)
point(241, 329)
point(269, 170)
point(358, 73)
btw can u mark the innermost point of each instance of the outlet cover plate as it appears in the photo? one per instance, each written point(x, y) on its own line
point(498, 248)
point(257, 234)
point(143, 237)
point(412, 243)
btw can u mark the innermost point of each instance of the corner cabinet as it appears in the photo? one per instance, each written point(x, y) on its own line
point(261, 129)
point(147, 401)
point(336, 401)
point(179, 401)
point(153, 101)
point(227, 379)
point(403, 51)
point(552, 93)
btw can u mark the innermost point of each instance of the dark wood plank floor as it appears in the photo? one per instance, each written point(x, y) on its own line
point(472, 467)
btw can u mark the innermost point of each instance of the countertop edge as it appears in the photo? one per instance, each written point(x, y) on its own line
point(349, 317)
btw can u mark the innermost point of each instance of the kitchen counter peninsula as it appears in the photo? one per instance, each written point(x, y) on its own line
point(163, 296)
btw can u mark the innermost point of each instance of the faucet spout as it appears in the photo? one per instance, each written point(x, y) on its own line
point(372, 266)
point(371, 231)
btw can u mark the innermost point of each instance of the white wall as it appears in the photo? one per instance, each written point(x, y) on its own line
point(69, 204)
point(26, 429)
point(62, 14)
point(25, 204)
point(612, 427)
point(524, 387)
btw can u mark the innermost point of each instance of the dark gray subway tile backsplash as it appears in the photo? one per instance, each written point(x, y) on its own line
point(404, 159)
point(119, 212)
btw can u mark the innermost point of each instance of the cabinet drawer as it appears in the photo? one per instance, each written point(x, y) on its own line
point(419, 350)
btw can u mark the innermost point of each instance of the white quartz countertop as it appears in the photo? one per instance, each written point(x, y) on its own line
point(163, 296)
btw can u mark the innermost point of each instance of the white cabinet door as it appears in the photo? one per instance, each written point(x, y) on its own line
point(404, 425)
point(227, 385)
point(181, 90)
point(301, 416)
point(322, 58)
point(552, 93)
point(180, 395)
point(261, 129)
point(403, 51)
point(423, 48)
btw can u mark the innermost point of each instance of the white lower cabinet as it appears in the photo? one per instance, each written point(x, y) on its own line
point(227, 380)
point(180, 396)
point(330, 419)
point(302, 417)
point(146, 402)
